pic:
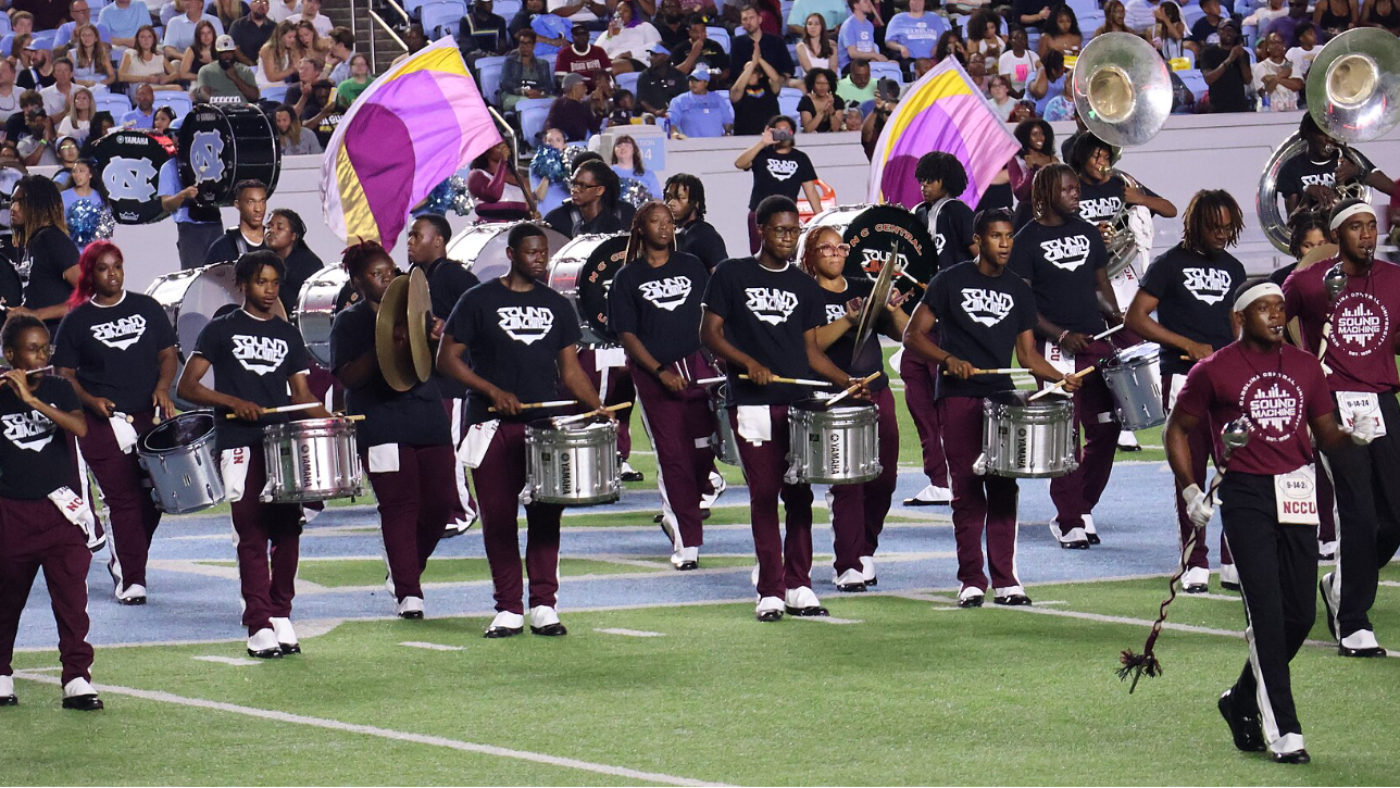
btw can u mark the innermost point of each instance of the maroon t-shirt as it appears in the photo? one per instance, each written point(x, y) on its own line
point(1277, 392)
point(589, 63)
point(1359, 351)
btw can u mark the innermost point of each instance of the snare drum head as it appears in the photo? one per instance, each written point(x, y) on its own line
point(482, 247)
point(1014, 399)
point(878, 231)
point(127, 171)
point(819, 405)
point(583, 271)
point(1141, 353)
point(183, 430)
point(222, 144)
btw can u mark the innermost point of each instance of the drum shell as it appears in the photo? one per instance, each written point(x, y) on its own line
point(317, 305)
point(186, 477)
point(311, 460)
point(723, 442)
point(1134, 378)
point(834, 445)
point(481, 248)
point(243, 146)
point(1023, 439)
point(191, 299)
point(582, 271)
point(574, 465)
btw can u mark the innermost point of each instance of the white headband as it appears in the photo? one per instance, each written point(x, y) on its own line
point(1347, 213)
point(1255, 293)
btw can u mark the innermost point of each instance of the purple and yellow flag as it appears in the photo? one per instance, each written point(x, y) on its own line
point(940, 112)
point(419, 123)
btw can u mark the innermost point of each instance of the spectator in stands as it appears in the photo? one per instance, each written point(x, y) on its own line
point(1227, 71)
point(1018, 64)
point(551, 30)
point(950, 45)
point(230, 11)
point(122, 19)
point(22, 23)
point(856, 88)
point(301, 94)
point(886, 99)
point(56, 95)
point(755, 93)
point(913, 34)
point(164, 122)
point(48, 14)
point(482, 33)
point(624, 109)
point(9, 92)
point(1169, 33)
point(143, 65)
point(102, 125)
point(311, 12)
point(79, 14)
point(1037, 151)
point(338, 56)
point(495, 187)
point(35, 65)
point(1334, 16)
point(1061, 34)
point(226, 77)
point(283, 9)
point(590, 12)
point(310, 41)
point(67, 150)
point(671, 24)
point(700, 112)
point(660, 83)
point(323, 123)
point(856, 39)
point(1049, 81)
point(584, 58)
point(771, 47)
point(1264, 17)
point(1274, 79)
point(627, 163)
point(80, 187)
point(278, 55)
point(815, 49)
point(349, 90)
point(1384, 14)
point(1031, 13)
point(92, 62)
point(820, 108)
point(32, 129)
point(1141, 15)
point(570, 112)
point(180, 31)
point(1115, 18)
point(200, 53)
point(833, 13)
point(295, 139)
point(778, 167)
point(1286, 26)
point(625, 43)
point(142, 116)
point(984, 38)
point(251, 32)
point(1301, 55)
point(702, 50)
point(524, 75)
point(1203, 32)
point(1000, 90)
point(250, 200)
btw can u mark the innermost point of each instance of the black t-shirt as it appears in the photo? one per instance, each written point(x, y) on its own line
point(770, 46)
point(230, 246)
point(513, 341)
point(805, 104)
point(567, 221)
point(253, 360)
point(114, 348)
point(657, 90)
point(662, 306)
point(711, 54)
point(1227, 93)
point(250, 36)
point(448, 281)
point(870, 359)
point(953, 234)
point(701, 239)
point(1203, 31)
point(755, 108)
point(489, 35)
point(979, 318)
point(1300, 172)
point(32, 79)
point(1020, 8)
point(301, 264)
point(766, 315)
point(412, 418)
point(34, 459)
point(1059, 263)
point(779, 173)
point(49, 253)
point(1100, 202)
point(1195, 296)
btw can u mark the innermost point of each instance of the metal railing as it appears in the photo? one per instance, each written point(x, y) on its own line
point(376, 19)
point(385, 25)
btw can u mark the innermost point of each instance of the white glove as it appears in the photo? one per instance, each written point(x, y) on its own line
point(1199, 508)
point(1362, 430)
point(979, 466)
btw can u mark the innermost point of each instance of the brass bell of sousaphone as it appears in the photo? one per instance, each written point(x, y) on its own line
point(1121, 89)
point(1354, 85)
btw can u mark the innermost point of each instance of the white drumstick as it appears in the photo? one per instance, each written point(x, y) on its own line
point(797, 381)
point(554, 403)
point(565, 420)
point(1060, 385)
point(282, 409)
point(708, 381)
point(1113, 330)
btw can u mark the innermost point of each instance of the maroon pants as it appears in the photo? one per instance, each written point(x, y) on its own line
point(35, 535)
point(919, 379)
point(1205, 446)
point(680, 427)
point(979, 502)
point(617, 389)
point(1076, 494)
point(462, 501)
point(126, 491)
point(269, 540)
point(783, 563)
point(415, 504)
point(858, 510)
point(499, 482)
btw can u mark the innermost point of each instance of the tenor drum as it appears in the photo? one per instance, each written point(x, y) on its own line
point(222, 144)
point(179, 455)
point(191, 299)
point(321, 299)
point(839, 444)
point(311, 460)
point(582, 271)
point(1027, 439)
point(723, 442)
point(127, 167)
point(1134, 377)
point(482, 247)
point(573, 465)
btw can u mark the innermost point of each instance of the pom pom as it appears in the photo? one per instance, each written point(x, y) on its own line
point(1136, 666)
point(439, 200)
point(635, 193)
point(571, 152)
point(88, 222)
point(548, 165)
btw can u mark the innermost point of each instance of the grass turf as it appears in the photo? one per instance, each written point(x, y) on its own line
point(916, 693)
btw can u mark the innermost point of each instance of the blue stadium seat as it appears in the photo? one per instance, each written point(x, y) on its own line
point(507, 9)
point(1190, 14)
point(439, 15)
point(787, 104)
point(719, 34)
point(628, 81)
point(177, 101)
point(116, 103)
point(1195, 81)
point(1082, 7)
point(411, 7)
point(277, 93)
point(883, 69)
point(488, 71)
point(533, 113)
point(1089, 21)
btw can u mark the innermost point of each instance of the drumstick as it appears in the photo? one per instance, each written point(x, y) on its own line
point(565, 420)
point(708, 381)
point(1081, 373)
point(905, 274)
point(796, 381)
point(556, 403)
point(852, 389)
point(997, 371)
point(127, 416)
point(1113, 330)
point(282, 409)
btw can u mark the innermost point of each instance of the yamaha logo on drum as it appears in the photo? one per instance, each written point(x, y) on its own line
point(835, 457)
point(1023, 448)
point(566, 471)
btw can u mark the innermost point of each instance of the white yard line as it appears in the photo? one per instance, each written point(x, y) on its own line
point(631, 633)
point(430, 646)
point(235, 661)
point(827, 619)
point(382, 733)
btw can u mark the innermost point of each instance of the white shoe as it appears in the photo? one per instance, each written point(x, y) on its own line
point(719, 484)
point(1129, 441)
point(627, 473)
point(770, 608)
point(850, 580)
point(686, 558)
point(286, 636)
point(971, 596)
point(1196, 580)
point(133, 595)
point(77, 688)
point(1076, 539)
point(930, 496)
point(1361, 643)
point(459, 527)
point(1090, 532)
point(263, 644)
point(411, 607)
point(544, 620)
point(1013, 596)
point(867, 571)
point(803, 602)
point(1229, 577)
point(508, 620)
point(753, 576)
point(78, 694)
point(7, 687)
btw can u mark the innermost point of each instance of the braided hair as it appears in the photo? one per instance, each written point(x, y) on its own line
point(1203, 215)
point(1046, 185)
point(636, 245)
point(357, 257)
point(694, 188)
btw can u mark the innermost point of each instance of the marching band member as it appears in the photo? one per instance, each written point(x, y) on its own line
point(50, 258)
point(448, 280)
point(286, 236)
point(685, 196)
point(592, 207)
point(1063, 259)
point(404, 439)
point(250, 199)
point(43, 523)
point(511, 341)
point(982, 314)
point(1189, 287)
point(1360, 360)
point(259, 362)
point(117, 349)
point(858, 511)
point(654, 307)
point(761, 315)
point(1281, 392)
point(1309, 180)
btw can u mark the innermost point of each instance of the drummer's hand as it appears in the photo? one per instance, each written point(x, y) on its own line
point(1198, 350)
point(862, 389)
point(673, 382)
point(1074, 343)
point(759, 374)
point(248, 411)
point(103, 407)
point(853, 308)
point(504, 402)
point(189, 193)
point(897, 299)
point(1072, 383)
point(19, 381)
point(165, 409)
point(958, 368)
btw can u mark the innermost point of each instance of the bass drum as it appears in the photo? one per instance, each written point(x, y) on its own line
point(582, 272)
point(222, 144)
point(874, 232)
point(322, 297)
point(127, 167)
point(191, 300)
point(482, 247)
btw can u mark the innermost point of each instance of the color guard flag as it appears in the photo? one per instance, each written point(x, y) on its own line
point(940, 112)
point(419, 123)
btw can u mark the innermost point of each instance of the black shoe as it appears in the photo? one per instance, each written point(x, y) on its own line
point(806, 612)
point(552, 630)
point(1297, 756)
point(1134, 447)
point(1243, 727)
point(83, 703)
point(271, 653)
point(1230, 586)
point(1199, 588)
point(1014, 600)
point(851, 588)
point(502, 632)
point(1093, 538)
point(290, 648)
point(1082, 544)
point(872, 582)
point(972, 601)
point(769, 616)
point(658, 519)
point(1361, 653)
point(686, 566)
point(131, 601)
point(9, 700)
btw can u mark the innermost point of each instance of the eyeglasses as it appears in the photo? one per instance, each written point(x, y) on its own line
point(841, 250)
point(783, 232)
point(577, 186)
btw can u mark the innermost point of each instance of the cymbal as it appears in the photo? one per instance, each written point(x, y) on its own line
point(420, 317)
point(397, 368)
point(1317, 254)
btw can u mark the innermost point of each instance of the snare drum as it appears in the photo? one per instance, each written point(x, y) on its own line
point(482, 247)
point(573, 465)
point(179, 455)
point(311, 460)
point(834, 445)
point(723, 442)
point(1027, 439)
point(192, 299)
point(321, 299)
point(1134, 377)
point(581, 271)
